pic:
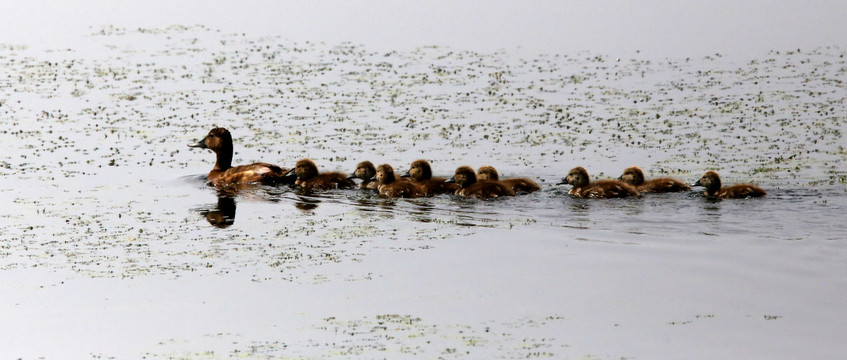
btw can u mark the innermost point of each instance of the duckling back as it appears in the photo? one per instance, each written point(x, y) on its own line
point(470, 187)
point(712, 182)
point(635, 177)
point(421, 174)
point(519, 185)
point(600, 189)
point(391, 187)
point(308, 177)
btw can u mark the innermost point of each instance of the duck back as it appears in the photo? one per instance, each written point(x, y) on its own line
point(257, 173)
point(605, 189)
point(712, 182)
point(327, 181)
point(741, 191)
point(486, 190)
point(436, 186)
point(404, 189)
point(521, 185)
point(662, 185)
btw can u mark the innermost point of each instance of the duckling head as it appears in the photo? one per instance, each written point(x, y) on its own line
point(487, 173)
point(577, 177)
point(710, 180)
point(464, 176)
point(305, 169)
point(385, 174)
point(420, 170)
point(633, 176)
point(365, 170)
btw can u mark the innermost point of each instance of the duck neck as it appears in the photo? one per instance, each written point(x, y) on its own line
point(712, 190)
point(224, 159)
point(713, 187)
point(388, 179)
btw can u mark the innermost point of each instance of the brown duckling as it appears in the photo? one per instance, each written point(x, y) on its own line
point(519, 185)
point(308, 177)
point(365, 171)
point(421, 174)
point(391, 187)
point(469, 187)
point(712, 182)
point(600, 189)
point(219, 140)
point(635, 177)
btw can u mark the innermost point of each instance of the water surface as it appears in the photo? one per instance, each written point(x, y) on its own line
point(111, 244)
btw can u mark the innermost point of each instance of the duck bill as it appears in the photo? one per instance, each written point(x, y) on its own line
point(290, 175)
point(563, 182)
point(200, 144)
point(406, 174)
point(697, 183)
point(450, 180)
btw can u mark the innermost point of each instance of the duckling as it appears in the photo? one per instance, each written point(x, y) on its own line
point(635, 177)
point(421, 174)
point(469, 187)
point(366, 171)
point(219, 140)
point(712, 182)
point(519, 185)
point(308, 177)
point(391, 187)
point(600, 189)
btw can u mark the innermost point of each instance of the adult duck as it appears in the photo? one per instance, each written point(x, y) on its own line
point(224, 174)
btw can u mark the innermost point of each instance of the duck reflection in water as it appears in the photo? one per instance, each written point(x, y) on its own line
point(306, 203)
point(223, 214)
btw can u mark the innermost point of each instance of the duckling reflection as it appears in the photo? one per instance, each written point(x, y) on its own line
point(306, 203)
point(422, 212)
point(223, 214)
point(711, 211)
